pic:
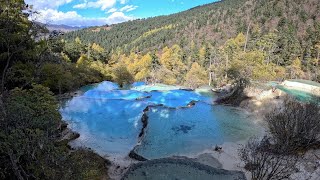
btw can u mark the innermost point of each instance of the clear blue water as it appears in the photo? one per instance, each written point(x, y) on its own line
point(299, 95)
point(137, 84)
point(177, 98)
point(107, 126)
point(190, 130)
point(116, 94)
point(313, 83)
point(109, 120)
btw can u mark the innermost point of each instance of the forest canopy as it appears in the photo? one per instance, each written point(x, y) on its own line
point(277, 39)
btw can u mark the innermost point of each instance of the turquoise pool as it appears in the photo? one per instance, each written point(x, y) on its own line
point(109, 120)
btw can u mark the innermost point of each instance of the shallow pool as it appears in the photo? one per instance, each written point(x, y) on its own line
point(299, 95)
point(191, 130)
point(173, 169)
point(109, 120)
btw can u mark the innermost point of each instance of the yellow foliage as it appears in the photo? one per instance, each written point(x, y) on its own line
point(143, 66)
point(97, 48)
point(251, 65)
point(153, 31)
point(139, 67)
point(113, 59)
point(171, 59)
point(101, 67)
point(240, 39)
point(295, 69)
point(197, 76)
point(65, 57)
point(77, 40)
point(296, 63)
point(202, 53)
point(263, 72)
point(166, 76)
point(82, 60)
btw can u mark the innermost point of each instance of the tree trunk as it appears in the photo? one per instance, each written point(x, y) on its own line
point(227, 64)
point(247, 37)
point(210, 73)
point(4, 73)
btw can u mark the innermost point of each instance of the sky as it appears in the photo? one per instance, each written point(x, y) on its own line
point(101, 12)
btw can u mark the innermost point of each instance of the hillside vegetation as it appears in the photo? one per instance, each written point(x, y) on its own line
point(32, 134)
point(281, 34)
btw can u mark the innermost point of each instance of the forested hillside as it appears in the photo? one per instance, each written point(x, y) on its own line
point(33, 138)
point(284, 34)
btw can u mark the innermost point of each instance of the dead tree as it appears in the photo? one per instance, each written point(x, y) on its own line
point(296, 126)
point(263, 163)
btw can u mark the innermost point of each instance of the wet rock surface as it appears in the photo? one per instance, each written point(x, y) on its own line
point(177, 168)
point(136, 156)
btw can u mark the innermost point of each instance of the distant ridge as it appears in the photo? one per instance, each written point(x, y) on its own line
point(62, 28)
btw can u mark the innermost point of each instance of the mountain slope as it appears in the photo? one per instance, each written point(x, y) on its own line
point(62, 28)
point(213, 23)
point(276, 38)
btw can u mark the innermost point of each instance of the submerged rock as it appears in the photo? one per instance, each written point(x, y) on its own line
point(136, 156)
point(192, 103)
point(144, 120)
point(173, 168)
point(209, 160)
point(69, 135)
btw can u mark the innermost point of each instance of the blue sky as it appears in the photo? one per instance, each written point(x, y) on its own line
point(100, 12)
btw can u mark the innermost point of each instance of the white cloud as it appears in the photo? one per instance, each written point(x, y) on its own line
point(103, 4)
point(123, 1)
point(72, 18)
point(118, 17)
point(47, 4)
point(49, 13)
point(112, 10)
point(80, 6)
point(128, 8)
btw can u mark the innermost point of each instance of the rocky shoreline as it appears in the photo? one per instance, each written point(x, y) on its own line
point(67, 134)
point(263, 101)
